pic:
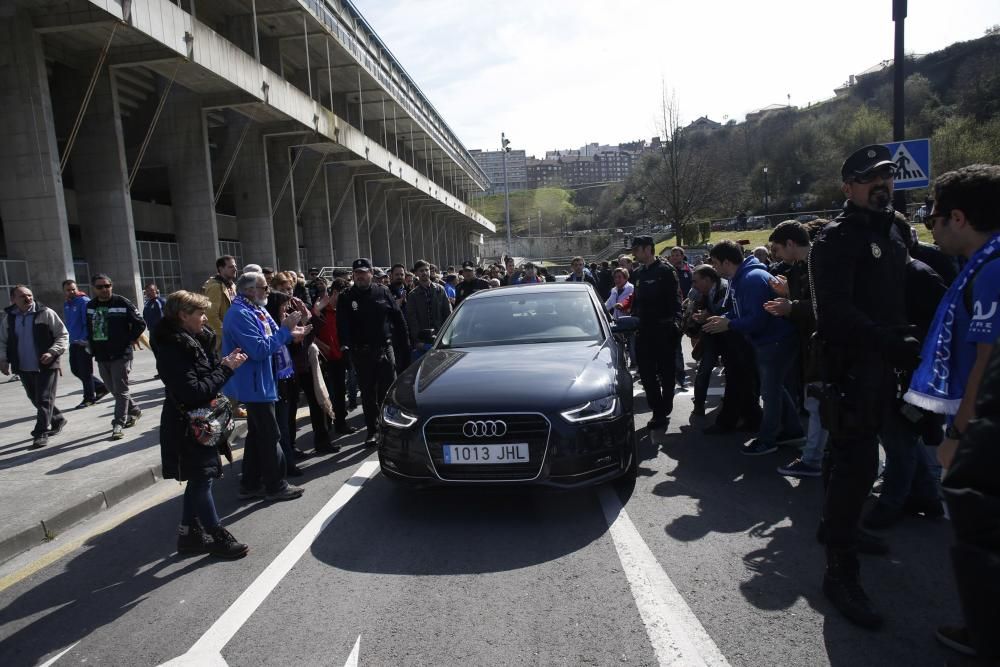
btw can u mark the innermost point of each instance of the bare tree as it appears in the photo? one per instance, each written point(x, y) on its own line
point(681, 179)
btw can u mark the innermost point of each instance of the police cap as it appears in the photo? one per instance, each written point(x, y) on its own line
point(361, 264)
point(866, 160)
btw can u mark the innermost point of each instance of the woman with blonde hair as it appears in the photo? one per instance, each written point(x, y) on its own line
point(193, 376)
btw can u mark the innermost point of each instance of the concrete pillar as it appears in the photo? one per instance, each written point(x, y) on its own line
point(103, 200)
point(343, 213)
point(378, 219)
point(397, 231)
point(286, 231)
point(32, 204)
point(253, 206)
point(184, 141)
point(316, 227)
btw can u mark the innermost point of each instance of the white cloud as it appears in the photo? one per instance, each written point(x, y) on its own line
point(560, 73)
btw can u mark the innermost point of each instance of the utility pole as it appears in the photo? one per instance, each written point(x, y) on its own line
point(898, 118)
point(505, 147)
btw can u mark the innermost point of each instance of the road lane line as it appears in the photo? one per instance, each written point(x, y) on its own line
point(225, 628)
point(51, 661)
point(677, 636)
point(352, 659)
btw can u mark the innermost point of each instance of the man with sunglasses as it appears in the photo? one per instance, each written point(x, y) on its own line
point(864, 339)
point(113, 327)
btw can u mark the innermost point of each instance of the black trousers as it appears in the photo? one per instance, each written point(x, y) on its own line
point(263, 460)
point(40, 386)
point(741, 395)
point(656, 348)
point(850, 469)
point(81, 364)
point(972, 490)
point(376, 369)
point(335, 374)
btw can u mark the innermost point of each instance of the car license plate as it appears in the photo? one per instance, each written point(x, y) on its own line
point(486, 454)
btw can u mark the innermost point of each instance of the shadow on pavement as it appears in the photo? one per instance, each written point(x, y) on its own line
point(740, 494)
point(116, 571)
point(454, 531)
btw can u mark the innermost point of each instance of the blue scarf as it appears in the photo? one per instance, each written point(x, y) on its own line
point(934, 385)
point(283, 368)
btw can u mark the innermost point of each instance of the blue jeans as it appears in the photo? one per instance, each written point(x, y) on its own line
point(199, 504)
point(816, 436)
point(774, 361)
point(907, 465)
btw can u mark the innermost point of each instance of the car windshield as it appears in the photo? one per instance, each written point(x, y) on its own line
point(523, 316)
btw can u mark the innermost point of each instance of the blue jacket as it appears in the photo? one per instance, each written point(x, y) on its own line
point(75, 316)
point(153, 314)
point(749, 290)
point(253, 382)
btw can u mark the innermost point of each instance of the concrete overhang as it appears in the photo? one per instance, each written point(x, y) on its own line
point(162, 37)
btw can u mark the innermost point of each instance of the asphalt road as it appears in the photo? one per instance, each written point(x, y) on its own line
point(711, 560)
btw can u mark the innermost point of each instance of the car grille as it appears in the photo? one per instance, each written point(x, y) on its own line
point(530, 428)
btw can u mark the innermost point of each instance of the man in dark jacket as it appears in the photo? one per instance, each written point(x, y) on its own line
point(113, 327)
point(470, 283)
point(865, 340)
point(32, 338)
point(428, 306)
point(773, 339)
point(580, 273)
point(367, 320)
point(657, 304)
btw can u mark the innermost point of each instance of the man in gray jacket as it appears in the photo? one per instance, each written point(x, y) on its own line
point(427, 306)
point(32, 338)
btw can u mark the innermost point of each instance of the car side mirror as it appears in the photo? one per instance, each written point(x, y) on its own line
point(625, 325)
point(427, 336)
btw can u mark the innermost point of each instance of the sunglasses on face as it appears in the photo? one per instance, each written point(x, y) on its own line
point(931, 220)
point(885, 173)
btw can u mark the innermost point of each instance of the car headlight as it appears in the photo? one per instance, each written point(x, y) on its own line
point(395, 416)
point(601, 408)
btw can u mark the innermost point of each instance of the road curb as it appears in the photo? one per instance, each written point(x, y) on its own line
point(89, 505)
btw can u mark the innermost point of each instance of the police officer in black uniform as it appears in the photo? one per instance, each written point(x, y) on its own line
point(368, 320)
point(857, 272)
point(470, 283)
point(657, 304)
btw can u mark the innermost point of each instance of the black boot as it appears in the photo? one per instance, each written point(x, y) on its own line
point(698, 410)
point(193, 539)
point(224, 545)
point(843, 589)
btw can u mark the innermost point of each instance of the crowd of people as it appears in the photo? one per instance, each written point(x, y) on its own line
point(838, 337)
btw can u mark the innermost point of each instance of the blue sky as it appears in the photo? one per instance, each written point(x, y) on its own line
point(561, 73)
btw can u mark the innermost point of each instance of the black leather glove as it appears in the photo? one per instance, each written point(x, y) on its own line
point(901, 349)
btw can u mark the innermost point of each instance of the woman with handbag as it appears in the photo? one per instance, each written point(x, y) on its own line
point(193, 376)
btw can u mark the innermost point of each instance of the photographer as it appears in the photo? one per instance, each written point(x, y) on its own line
point(193, 376)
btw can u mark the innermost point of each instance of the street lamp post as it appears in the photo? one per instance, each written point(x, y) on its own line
point(505, 147)
point(765, 191)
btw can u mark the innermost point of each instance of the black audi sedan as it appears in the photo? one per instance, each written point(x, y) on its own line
point(523, 385)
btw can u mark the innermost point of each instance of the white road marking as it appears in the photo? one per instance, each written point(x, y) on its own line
point(225, 628)
point(352, 659)
point(51, 661)
point(677, 636)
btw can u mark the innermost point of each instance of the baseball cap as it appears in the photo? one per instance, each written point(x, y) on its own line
point(866, 160)
point(378, 273)
point(642, 241)
point(361, 264)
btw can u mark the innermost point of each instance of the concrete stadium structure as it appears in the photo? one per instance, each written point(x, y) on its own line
point(143, 138)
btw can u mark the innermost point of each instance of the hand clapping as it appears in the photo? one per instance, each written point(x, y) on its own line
point(234, 359)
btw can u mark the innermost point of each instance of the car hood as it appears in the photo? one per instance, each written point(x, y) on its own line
point(506, 378)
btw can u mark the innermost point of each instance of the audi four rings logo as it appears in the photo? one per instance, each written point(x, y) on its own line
point(484, 429)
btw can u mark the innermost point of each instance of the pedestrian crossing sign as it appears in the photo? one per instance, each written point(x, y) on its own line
point(913, 163)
